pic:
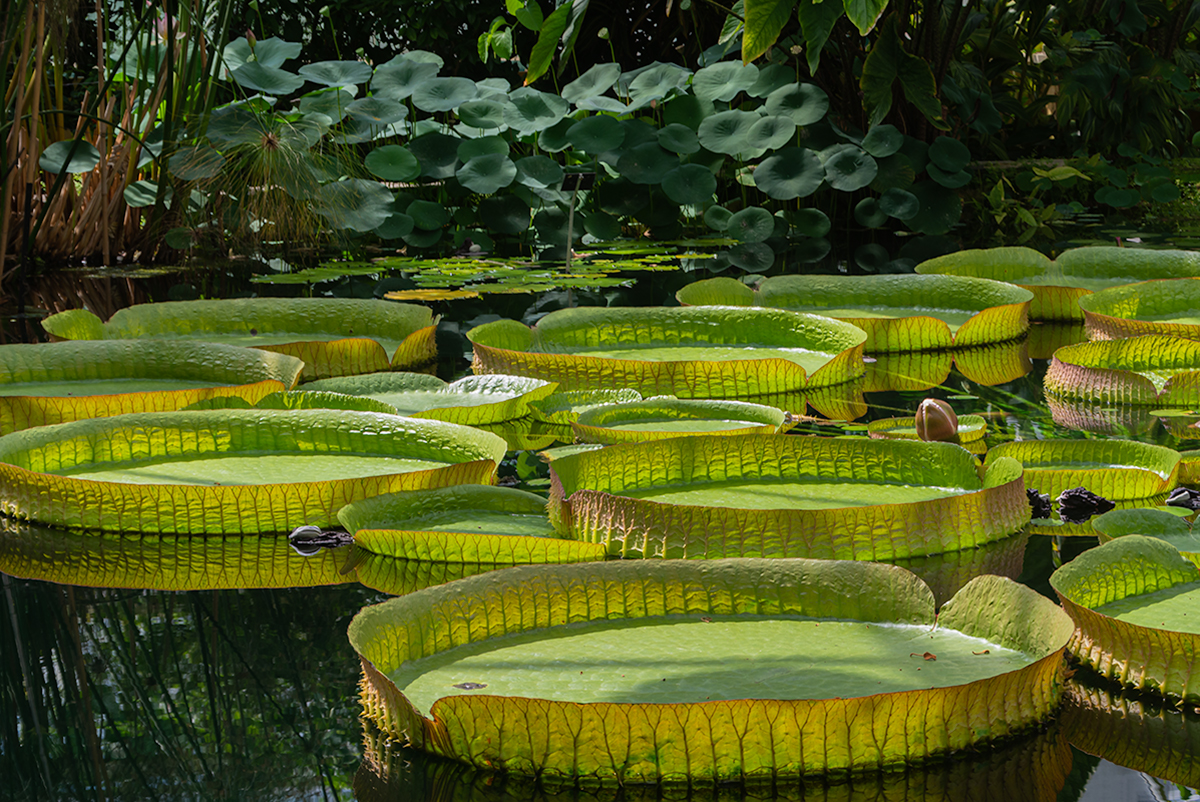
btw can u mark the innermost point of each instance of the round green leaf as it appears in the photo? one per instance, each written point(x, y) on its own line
point(428, 215)
point(539, 172)
point(487, 173)
point(678, 139)
point(398, 78)
point(376, 110)
point(770, 133)
point(419, 238)
point(883, 140)
point(810, 222)
point(790, 173)
point(689, 184)
point(870, 257)
point(656, 82)
point(895, 172)
point(598, 79)
point(437, 154)
point(770, 78)
point(140, 194)
point(604, 103)
point(723, 80)
point(443, 94)
point(717, 217)
point(753, 257)
point(330, 102)
point(85, 158)
point(337, 73)
point(531, 111)
point(268, 80)
point(813, 250)
point(195, 163)
point(940, 208)
point(948, 180)
point(868, 213)
point(487, 113)
point(849, 167)
point(727, 131)
point(753, 224)
point(392, 163)
point(395, 226)
point(480, 146)
point(506, 214)
point(354, 204)
point(596, 134)
point(621, 197)
point(949, 154)
point(602, 226)
point(554, 138)
point(646, 164)
point(899, 204)
point(805, 104)
point(687, 110)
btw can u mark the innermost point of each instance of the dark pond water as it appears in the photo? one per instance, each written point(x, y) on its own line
point(130, 694)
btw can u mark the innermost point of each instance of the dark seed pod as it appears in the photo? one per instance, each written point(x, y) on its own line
point(936, 421)
point(1079, 504)
point(1183, 497)
point(308, 540)
point(1039, 503)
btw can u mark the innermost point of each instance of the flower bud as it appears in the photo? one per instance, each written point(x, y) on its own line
point(936, 421)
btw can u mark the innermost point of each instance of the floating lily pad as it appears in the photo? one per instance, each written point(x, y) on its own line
point(668, 416)
point(746, 354)
point(162, 562)
point(471, 401)
point(1164, 306)
point(898, 312)
point(334, 336)
point(1154, 370)
point(776, 496)
point(1137, 621)
point(566, 407)
point(1156, 523)
point(681, 641)
point(57, 382)
point(229, 470)
point(473, 524)
point(971, 429)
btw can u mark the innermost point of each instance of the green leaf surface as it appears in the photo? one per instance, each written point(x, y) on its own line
point(725, 79)
point(594, 81)
point(530, 111)
point(849, 167)
point(715, 738)
point(392, 163)
point(970, 428)
point(1118, 470)
point(1155, 523)
point(337, 73)
point(564, 408)
point(54, 159)
point(1114, 593)
point(689, 184)
point(487, 173)
point(269, 80)
point(1163, 306)
point(334, 336)
point(1154, 370)
point(689, 353)
point(790, 173)
point(547, 42)
point(749, 496)
point(764, 21)
point(596, 134)
point(817, 19)
point(443, 94)
point(214, 471)
point(805, 103)
point(400, 77)
point(355, 204)
point(727, 131)
point(668, 416)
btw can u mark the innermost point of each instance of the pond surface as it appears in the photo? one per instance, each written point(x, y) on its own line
point(129, 694)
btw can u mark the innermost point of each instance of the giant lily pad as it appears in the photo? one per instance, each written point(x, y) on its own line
point(782, 496)
point(161, 562)
point(229, 471)
point(668, 416)
point(971, 429)
point(334, 336)
point(471, 524)
point(1057, 286)
point(898, 313)
point(1156, 523)
point(59, 382)
point(1134, 603)
point(1164, 306)
point(732, 670)
point(565, 407)
point(471, 401)
point(1154, 370)
point(1119, 470)
point(746, 354)
point(988, 365)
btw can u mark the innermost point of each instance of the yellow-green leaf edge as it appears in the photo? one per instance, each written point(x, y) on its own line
point(1112, 371)
point(1151, 470)
point(596, 424)
point(1119, 312)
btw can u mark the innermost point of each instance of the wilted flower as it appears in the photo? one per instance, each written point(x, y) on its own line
point(1078, 504)
point(1183, 497)
point(308, 540)
point(1039, 503)
point(936, 421)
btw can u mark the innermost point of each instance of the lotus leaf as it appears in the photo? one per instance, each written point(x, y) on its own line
point(899, 204)
point(334, 336)
point(1133, 601)
point(646, 163)
point(471, 401)
point(443, 94)
point(161, 562)
point(678, 139)
point(1156, 523)
point(49, 383)
point(805, 104)
point(939, 208)
point(472, 524)
point(596, 134)
point(695, 624)
point(1163, 306)
point(747, 354)
point(506, 214)
point(971, 429)
point(436, 152)
point(689, 184)
point(229, 470)
point(811, 222)
point(488, 173)
point(753, 257)
point(54, 158)
point(487, 113)
point(392, 163)
point(882, 141)
point(752, 224)
point(596, 80)
point(727, 131)
point(530, 111)
point(538, 172)
point(780, 496)
point(898, 313)
point(337, 73)
point(667, 416)
point(1154, 370)
point(376, 111)
point(330, 102)
point(268, 80)
point(355, 204)
point(849, 168)
point(723, 80)
point(770, 133)
point(482, 146)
